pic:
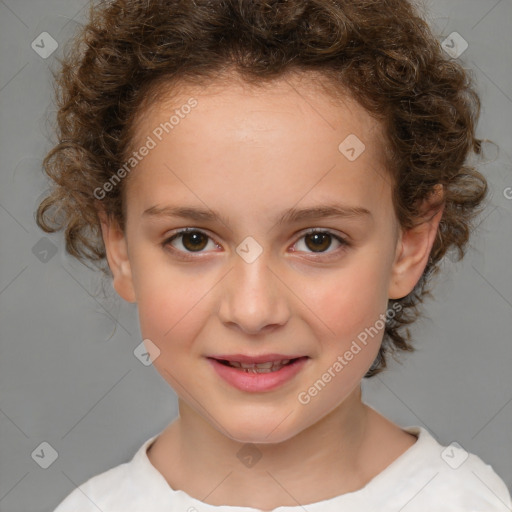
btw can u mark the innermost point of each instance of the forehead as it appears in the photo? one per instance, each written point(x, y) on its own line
point(307, 95)
point(238, 134)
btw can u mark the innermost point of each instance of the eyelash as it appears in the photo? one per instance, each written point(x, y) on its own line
point(185, 254)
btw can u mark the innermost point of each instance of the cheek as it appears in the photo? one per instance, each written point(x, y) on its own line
point(166, 311)
point(172, 318)
point(349, 334)
point(350, 300)
point(173, 305)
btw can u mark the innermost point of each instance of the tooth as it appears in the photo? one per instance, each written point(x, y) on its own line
point(262, 370)
point(257, 367)
point(265, 365)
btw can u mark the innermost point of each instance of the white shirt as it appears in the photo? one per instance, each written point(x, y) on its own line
point(427, 477)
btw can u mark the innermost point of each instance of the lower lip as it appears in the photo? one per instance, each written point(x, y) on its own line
point(256, 382)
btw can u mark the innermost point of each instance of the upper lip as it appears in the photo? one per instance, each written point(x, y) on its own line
point(263, 358)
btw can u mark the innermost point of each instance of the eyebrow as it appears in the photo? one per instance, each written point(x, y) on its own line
point(292, 215)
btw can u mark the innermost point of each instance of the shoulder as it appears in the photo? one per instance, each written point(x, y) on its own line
point(125, 487)
point(446, 479)
point(96, 493)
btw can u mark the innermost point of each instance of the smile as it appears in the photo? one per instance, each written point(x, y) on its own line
point(268, 367)
point(258, 377)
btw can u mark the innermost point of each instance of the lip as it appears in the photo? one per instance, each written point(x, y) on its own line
point(263, 358)
point(257, 382)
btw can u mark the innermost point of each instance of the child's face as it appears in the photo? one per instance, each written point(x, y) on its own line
point(251, 157)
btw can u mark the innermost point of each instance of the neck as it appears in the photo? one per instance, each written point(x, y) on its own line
point(197, 458)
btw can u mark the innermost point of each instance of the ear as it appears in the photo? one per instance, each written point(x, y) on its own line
point(413, 248)
point(117, 256)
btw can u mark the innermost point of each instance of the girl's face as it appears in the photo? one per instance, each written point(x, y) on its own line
point(250, 173)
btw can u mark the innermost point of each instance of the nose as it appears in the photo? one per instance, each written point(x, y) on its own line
point(253, 298)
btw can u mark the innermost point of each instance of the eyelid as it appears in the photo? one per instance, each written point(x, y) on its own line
point(182, 231)
point(331, 232)
point(325, 256)
point(299, 235)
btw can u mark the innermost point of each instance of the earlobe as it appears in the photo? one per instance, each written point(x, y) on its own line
point(117, 257)
point(412, 254)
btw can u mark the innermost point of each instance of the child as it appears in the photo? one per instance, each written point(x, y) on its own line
point(273, 183)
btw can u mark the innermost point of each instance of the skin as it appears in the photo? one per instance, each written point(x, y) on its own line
point(251, 154)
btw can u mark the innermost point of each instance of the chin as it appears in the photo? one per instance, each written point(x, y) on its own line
point(264, 429)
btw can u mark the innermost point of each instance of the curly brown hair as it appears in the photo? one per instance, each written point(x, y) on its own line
point(381, 51)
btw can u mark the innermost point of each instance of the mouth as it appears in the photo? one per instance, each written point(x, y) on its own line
point(263, 367)
point(257, 374)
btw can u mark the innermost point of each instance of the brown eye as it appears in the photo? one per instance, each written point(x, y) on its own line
point(192, 240)
point(318, 242)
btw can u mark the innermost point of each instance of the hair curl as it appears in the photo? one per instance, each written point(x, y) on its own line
point(381, 51)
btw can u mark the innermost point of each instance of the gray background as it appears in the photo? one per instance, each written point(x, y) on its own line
point(68, 373)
